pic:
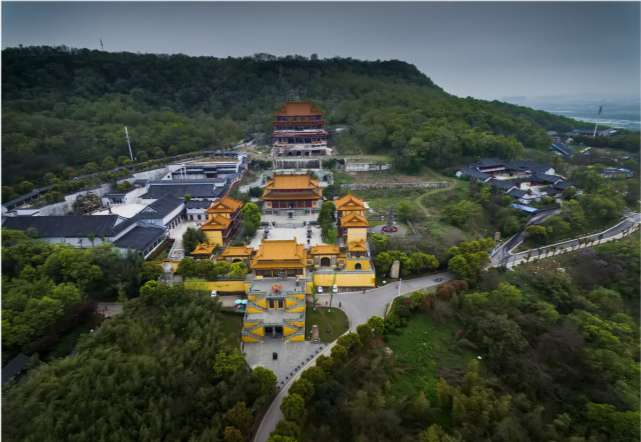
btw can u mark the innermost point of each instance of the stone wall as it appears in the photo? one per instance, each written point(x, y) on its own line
point(434, 184)
point(366, 167)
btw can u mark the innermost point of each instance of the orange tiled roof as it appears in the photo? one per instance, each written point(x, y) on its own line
point(203, 249)
point(324, 249)
point(269, 195)
point(357, 246)
point(295, 108)
point(354, 220)
point(237, 251)
point(290, 181)
point(279, 250)
point(349, 202)
point(217, 222)
point(225, 205)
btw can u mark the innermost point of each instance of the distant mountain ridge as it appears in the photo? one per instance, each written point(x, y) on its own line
point(68, 107)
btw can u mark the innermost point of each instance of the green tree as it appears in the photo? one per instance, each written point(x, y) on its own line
point(377, 324)
point(240, 417)
point(351, 342)
point(405, 210)
point(325, 362)
point(150, 271)
point(303, 388)
point(191, 238)
point(423, 262)
point(293, 407)
point(378, 243)
point(339, 354)
point(365, 333)
point(286, 429)
point(264, 380)
point(238, 270)
point(383, 262)
point(228, 363)
point(109, 163)
point(315, 375)
point(251, 218)
point(187, 268)
point(458, 214)
point(233, 434)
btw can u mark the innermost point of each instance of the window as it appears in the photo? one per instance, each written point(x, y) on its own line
point(357, 266)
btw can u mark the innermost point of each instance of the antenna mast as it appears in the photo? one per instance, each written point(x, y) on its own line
point(129, 144)
point(597, 121)
point(102, 48)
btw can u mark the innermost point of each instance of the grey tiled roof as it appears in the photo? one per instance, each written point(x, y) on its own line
point(470, 171)
point(505, 185)
point(545, 178)
point(524, 166)
point(160, 208)
point(488, 162)
point(517, 193)
point(140, 238)
point(178, 188)
point(69, 225)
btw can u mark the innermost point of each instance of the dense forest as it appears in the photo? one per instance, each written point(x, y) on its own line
point(549, 352)
point(65, 107)
point(167, 368)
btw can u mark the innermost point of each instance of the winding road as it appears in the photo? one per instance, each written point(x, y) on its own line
point(360, 306)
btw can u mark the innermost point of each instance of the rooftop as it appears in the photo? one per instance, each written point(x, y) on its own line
point(140, 238)
point(295, 108)
point(354, 220)
point(225, 205)
point(65, 226)
point(349, 202)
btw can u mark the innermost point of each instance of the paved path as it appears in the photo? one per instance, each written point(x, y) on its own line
point(504, 255)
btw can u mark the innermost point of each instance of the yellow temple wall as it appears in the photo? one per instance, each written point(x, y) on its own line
point(296, 338)
point(250, 339)
point(214, 237)
point(351, 263)
point(221, 286)
point(345, 279)
point(356, 234)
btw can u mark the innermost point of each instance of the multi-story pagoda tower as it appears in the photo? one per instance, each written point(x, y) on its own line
point(299, 131)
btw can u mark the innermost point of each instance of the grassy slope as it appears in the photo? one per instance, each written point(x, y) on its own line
point(425, 351)
point(331, 324)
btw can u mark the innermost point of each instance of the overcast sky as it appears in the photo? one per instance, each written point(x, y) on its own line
point(485, 50)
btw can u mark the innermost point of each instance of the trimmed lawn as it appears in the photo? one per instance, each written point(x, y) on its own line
point(331, 324)
point(231, 326)
point(425, 351)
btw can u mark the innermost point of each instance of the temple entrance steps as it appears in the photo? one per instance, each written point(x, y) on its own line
point(252, 335)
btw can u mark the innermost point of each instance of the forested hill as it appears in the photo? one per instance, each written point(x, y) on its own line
point(68, 107)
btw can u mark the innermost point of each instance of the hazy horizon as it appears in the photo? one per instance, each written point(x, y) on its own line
point(487, 50)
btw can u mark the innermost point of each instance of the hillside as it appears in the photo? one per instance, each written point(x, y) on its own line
point(68, 107)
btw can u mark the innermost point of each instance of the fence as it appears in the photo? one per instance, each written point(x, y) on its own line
point(433, 184)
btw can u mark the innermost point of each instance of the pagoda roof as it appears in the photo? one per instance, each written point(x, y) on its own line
point(217, 222)
point(349, 202)
point(292, 196)
point(203, 249)
point(295, 108)
point(281, 182)
point(225, 205)
point(279, 250)
point(354, 220)
point(237, 251)
point(325, 249)
point(357, 246)
point(290, 181)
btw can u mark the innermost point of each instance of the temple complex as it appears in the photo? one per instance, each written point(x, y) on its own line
point(288, 191)
point(299, 130)
point(223, 221)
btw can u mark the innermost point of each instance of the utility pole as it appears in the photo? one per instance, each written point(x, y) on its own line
point(129, 144)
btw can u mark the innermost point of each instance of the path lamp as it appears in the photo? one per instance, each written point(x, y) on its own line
point(400, 281)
